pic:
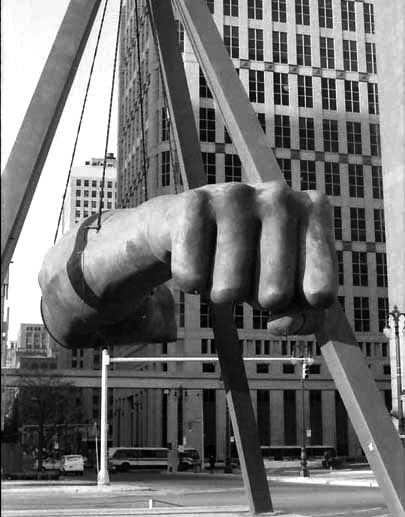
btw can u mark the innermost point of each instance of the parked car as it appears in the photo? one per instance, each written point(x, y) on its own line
point(72, 463)
point(49, 464)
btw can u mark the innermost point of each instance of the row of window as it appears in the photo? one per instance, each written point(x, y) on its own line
point(94, 193)
point(303, 12)
point(358, 230)
point(303, 49)
point(94, 183)
point(260, 318)
point(306, 132)
point(85, 213)
point(356, 176)
point(360, 268)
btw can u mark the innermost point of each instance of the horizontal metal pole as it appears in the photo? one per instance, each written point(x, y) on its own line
point(204, 358)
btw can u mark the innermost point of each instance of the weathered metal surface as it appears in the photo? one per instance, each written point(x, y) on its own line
point(240, 408)
point(27, 158)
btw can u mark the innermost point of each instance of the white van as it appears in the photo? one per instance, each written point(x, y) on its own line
point(72, 463)
point(125, 458)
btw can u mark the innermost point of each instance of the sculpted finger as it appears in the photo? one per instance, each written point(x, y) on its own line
point(317, 256)
point(193, 241)
point(296, 321)
point(276, 268)
point(235, 253)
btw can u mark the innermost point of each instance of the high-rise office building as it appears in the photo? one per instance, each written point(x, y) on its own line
point(309, 69)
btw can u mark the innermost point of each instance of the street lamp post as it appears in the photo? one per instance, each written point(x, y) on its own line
point(300, 353)
point(396, 315)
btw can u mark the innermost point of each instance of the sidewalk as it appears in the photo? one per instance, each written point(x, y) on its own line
point(359, 477)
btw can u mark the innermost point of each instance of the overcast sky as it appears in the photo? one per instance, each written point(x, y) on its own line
point(28, 31)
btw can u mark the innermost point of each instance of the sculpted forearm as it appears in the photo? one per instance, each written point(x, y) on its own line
point(265, 245)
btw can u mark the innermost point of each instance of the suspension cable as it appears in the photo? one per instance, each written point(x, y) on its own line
point(138, 52)
point(80, 120)
point(101, 203)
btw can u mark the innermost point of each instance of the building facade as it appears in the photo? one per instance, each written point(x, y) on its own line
point(309, 69)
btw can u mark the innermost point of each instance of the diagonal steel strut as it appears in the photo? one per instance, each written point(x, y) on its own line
point(346, 364)
point(225, 333)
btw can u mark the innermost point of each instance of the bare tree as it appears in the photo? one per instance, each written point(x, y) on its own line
point(47, 402)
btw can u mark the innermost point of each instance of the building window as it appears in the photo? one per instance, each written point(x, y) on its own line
point(78, 203)
point(165, 169)
point(377, 182)
point(387, 369)
point(304, 49)
point(305, 99)
point(341, 271)
point(280, 53)
point(180, 35)
point(260, 319)
point(205, 92)
point(78, 182)
point(288, 368)
point(207, 124)
point(205, 321)
point(285, 166)
point(238, 315)
point(307, 133)
point(373, 108)
point(330, 136)
point(256, 44)
point(209, 166)
point(281, 96)
point(356, 180)
point(332, 179)
point(165, 125)
point(350, 55)
point(352, 98)
point(262, 367)
point(78, 193)
point(279, 10)
point(282, 131)
point(328, 88)
point(231, 40)
point(325, 14)
point(381, 269)
point(327, 52)
point(371, 62)
point(256, 85)
point(181, 311)
point(379, 225)
point(337, 222)
point(208, 367)
point(302, 16)
point(382, 305)
point(353, 130)
point(231, 8)
point(368, 18)
point(348, 15)
point(233, 168)
point(375, 144)
point(361, 314)
point(77, 213)
point(261, 117)
point(358, 224)
point(308, 175)
point(359, 268)
point(255, 9)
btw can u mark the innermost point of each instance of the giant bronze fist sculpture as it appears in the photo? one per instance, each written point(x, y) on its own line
point(263, 244)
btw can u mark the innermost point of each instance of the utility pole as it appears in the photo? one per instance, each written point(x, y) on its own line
point(103, 477)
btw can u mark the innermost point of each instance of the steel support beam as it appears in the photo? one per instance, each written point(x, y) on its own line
point(357, 388)
point(232, 366)
point(27, 158)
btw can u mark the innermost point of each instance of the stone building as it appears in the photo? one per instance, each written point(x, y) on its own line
point(309, 68)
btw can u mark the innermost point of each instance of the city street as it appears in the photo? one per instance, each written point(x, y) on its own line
point(131, 491)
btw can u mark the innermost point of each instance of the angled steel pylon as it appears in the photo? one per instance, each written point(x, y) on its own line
point(353, 379)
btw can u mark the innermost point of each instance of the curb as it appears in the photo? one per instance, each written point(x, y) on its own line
point(365, 483)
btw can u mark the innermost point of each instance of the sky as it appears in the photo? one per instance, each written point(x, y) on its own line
point(28, 30)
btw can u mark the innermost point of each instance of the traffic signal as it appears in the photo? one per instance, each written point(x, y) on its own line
point(305, 370)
